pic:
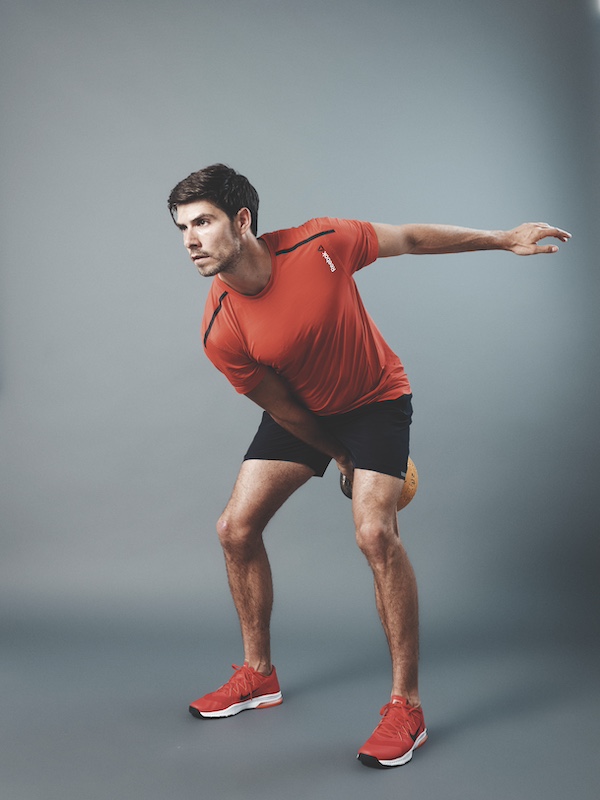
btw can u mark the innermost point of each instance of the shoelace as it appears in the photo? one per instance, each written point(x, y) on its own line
point(397, 722)
point(240, 682)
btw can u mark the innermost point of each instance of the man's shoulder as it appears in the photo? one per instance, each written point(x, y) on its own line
point(287, 239)
point(299, 232)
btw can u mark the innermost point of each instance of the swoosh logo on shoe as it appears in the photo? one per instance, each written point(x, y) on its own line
point(245, 697)
point(416, 736)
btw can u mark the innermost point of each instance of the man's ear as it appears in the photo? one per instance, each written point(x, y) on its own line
point(244, 220)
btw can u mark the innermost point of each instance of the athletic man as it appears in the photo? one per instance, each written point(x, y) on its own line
point(285, 323)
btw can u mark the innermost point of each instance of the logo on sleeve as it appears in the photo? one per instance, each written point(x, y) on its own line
point(327, 257)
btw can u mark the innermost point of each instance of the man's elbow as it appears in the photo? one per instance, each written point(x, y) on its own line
point(395, 240)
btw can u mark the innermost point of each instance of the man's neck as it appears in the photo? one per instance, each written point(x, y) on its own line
point(253, 272)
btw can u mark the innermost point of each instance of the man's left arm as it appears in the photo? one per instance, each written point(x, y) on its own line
point(397, 240)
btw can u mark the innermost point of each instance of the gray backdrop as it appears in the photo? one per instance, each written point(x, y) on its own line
point(120, 442)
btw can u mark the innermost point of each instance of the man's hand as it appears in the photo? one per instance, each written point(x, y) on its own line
point(524, 240)
point(346, 467)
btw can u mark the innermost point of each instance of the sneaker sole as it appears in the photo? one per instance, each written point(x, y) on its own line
point(264, 701)
point(377, 763)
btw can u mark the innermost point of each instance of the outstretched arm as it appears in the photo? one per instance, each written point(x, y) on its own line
point(397, 240)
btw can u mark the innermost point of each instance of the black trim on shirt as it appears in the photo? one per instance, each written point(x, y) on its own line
point(214, 316)
point(306, 241)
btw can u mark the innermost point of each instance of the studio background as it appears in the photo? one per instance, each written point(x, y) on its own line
point(120, 442)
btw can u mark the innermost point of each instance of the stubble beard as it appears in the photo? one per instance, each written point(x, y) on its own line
point(227, 265)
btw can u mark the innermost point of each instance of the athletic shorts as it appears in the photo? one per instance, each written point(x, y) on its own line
point(376, 436)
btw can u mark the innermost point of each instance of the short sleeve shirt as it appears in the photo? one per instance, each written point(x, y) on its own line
point(309, 323)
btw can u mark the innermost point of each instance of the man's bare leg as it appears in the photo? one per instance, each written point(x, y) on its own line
point(260, 490)
point(374, 507)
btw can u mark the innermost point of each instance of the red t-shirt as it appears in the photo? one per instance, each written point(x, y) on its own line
point(308, 323)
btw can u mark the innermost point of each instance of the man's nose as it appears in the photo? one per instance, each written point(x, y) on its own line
point(190, 238)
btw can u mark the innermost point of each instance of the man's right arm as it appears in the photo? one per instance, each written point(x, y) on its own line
point(274, 396)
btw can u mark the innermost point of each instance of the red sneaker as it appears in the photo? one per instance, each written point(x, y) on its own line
point(399, 733)
point(246, 688)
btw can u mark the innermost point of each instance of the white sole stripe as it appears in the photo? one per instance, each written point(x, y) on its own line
point(398, 762)
point(253, 702)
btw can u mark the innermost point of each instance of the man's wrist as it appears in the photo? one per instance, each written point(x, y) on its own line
point(502, 240)
point(344, 460)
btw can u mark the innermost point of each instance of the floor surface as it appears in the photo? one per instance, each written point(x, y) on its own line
point(97, 708)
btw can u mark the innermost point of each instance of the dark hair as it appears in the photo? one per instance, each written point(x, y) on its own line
point(220, 185)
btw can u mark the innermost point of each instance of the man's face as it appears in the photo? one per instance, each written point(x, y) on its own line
point(210, 237)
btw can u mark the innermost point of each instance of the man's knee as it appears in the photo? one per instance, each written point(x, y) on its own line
point(237, 535)
point(376, 539)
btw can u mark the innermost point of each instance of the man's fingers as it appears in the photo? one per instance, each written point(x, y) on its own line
point(549, 230)
point(529, 234)
point(564, 236)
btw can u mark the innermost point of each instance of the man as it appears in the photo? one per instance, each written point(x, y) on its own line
point(285, 323)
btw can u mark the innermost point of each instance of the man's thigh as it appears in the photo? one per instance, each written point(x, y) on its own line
point(262, 487)
point(374, 498)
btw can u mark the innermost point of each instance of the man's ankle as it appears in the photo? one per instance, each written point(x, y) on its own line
point(264, 668)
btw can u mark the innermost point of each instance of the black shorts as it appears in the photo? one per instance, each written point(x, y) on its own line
point(376, 436)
